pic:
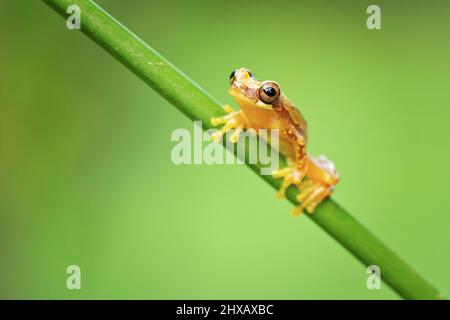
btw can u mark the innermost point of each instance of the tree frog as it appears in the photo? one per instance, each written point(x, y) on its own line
point(263, 105)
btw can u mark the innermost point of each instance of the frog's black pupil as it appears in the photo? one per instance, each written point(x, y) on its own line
point(269, 91)
point(232, 74)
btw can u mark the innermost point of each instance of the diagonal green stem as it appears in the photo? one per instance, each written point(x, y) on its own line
point(198, 105)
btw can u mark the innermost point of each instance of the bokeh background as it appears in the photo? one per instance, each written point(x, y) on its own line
point(86, 176)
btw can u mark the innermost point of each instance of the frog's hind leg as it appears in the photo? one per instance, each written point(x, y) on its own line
point(311, 194)
point(295, 171)
point(291, 175)
point(321, 178)
point(233, 120)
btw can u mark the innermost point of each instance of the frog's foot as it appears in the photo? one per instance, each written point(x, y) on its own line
point(311, 194)
point(233, 120)
point(290, 175)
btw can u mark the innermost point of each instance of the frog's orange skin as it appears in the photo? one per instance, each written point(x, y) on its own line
point(280, 114)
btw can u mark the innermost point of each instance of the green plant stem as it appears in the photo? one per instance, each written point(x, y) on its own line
point(198, 105)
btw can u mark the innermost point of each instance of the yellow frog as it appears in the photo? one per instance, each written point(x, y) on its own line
point(263, 106)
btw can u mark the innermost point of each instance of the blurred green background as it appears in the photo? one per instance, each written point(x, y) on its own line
point(86, 176)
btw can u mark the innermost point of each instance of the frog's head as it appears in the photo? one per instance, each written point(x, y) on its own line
point(250, 92)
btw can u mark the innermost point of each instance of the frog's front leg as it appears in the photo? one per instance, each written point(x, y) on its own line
point(233, 120)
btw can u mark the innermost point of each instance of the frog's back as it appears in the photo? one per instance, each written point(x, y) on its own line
point(296, 116)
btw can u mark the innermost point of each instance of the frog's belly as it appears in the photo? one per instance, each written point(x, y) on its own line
point(284, 147)
point(268, 120)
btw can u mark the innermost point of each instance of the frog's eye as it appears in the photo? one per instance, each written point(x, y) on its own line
point(233, 76)
point(269, 92)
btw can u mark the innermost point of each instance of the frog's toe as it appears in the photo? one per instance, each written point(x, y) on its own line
point(281, 172)
point(220, 120)
point(311, 194)
point(228, 108)
point(236, 133)
point(230, 124)
point(217, 136)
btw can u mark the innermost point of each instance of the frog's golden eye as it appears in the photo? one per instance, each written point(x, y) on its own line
point(269, 92)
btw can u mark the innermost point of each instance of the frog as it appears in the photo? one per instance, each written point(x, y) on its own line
point(263, 105)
